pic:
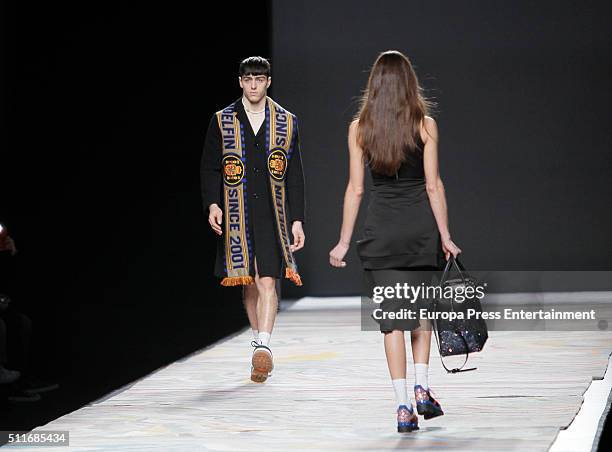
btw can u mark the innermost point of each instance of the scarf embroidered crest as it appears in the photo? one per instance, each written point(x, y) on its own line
point(279, 125)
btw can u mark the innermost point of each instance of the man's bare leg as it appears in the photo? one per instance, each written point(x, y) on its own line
point(267, 306)
point(250, 295)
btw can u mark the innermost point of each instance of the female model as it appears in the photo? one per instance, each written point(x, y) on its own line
point(406, 233)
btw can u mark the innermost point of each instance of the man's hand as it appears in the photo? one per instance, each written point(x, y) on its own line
point(8, 245)
point(215, 217)
point(298, 236)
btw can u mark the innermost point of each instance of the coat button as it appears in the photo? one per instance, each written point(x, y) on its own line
point(254, 195)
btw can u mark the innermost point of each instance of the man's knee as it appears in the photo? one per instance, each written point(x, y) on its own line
point(266, 284)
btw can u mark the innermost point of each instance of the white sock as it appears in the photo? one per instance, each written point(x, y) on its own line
point(264, 338)
point(255, 334)
point(401, 393)
point(420, 375)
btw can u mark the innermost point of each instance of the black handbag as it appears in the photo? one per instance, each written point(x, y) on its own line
point(461, 335)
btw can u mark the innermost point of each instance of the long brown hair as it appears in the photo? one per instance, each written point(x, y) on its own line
point(392, 109)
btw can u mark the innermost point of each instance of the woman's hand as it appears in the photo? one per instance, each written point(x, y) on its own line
point(449, 247)
point(337, 254)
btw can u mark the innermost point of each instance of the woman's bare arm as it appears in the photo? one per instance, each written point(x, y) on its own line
point(435, 187)
point(352, 198)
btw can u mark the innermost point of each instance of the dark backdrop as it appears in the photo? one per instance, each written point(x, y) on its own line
point(523, 110)
point(106, 110)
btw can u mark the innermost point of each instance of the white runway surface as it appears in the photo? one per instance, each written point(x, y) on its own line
point(331, 390)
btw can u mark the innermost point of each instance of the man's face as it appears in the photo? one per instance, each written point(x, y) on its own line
point(254, 87)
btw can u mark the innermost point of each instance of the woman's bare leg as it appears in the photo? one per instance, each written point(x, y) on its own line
point(395, 349)
point(421, 343)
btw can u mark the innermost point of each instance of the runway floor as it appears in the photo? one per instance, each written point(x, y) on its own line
point(330, 390)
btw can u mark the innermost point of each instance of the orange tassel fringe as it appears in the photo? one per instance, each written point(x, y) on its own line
point(237, 280)
point(293, 276)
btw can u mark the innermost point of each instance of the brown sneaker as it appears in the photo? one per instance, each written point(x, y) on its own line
point(261, 363)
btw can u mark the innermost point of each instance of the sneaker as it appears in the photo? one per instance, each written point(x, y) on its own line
point(407, 421)
point(8, 376)
point(427, 406)
point(261, 363)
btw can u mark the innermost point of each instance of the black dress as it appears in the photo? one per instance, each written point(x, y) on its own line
point(401, 242)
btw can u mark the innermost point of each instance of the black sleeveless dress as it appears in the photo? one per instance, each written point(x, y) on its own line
point(401, 242)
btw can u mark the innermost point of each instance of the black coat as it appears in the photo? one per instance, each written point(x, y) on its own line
point(264, 238)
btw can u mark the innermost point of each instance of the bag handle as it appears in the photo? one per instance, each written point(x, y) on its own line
point(453, 261)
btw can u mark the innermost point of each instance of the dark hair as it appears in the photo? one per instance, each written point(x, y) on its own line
point(392, 109)
point(254, 65)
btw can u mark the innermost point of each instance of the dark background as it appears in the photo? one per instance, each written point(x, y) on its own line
point(523, 92)
point(105, 107)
